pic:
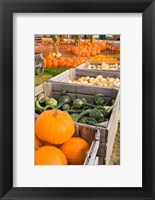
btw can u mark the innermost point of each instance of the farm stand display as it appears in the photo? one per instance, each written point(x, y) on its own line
point(105, 132)
point(88, 87)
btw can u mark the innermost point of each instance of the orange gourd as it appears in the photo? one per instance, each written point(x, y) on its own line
point(54, 126)
point(49, 155)
point(75, 150)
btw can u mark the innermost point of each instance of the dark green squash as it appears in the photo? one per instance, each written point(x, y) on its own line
point(88, 120)
point(99, 99)
point(84, 113)
point(63, 100)
point(97, 114)
point(66, 107)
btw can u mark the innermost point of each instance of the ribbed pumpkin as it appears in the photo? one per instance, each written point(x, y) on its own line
point(54, 126)
point(75, 150)
point(49, 155)
point(38, 142)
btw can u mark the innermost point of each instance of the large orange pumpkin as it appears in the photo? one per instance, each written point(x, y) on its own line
point(75, 150)
point(54, 126)
point(49, 155)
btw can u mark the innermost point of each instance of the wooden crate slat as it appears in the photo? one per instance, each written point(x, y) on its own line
point(93, 155)
point(103, 135)
point(93, 152)
point(89, 153)
point(96, 161)
point(73, 96)
point(62, 76)
point(39, 89)
point(102, 150)
point(101, 161)
point(114, 114)
point(94, 73)
point(84, 89)
point(47, 89)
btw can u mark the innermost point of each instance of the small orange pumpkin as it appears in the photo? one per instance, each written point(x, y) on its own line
point(49, 155)
point(75, 150)
point(38, 142)
point(54, 126)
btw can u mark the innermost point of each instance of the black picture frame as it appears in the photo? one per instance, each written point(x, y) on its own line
point(7, 8)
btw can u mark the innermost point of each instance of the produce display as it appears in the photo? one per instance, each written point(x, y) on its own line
point(103, 66)
point(103, 58)
point(97, 81)
point(87, 49)
point(77, 110)
point(69, 124)
point(63, 62)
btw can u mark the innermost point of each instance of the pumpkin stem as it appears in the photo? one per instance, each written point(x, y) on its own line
point(55, 113)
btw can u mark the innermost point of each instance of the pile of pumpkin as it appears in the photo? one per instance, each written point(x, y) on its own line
point(47, 40)
point(54, 141)
point(104, 58)
point(87, 49)
point(67, 42)
point(63, 62)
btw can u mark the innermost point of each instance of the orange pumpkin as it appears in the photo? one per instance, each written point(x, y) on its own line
point(38, 142)
point(49, 155)
point(75, 150)
point(54, 126)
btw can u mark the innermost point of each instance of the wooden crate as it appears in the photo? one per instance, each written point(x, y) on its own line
point(73, 74)
point(107, 130)
point(81, 69)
